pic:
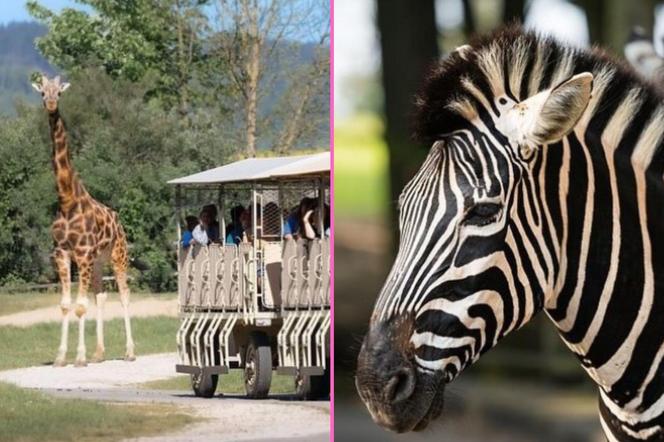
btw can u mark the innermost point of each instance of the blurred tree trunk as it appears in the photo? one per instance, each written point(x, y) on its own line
point(469, 26)
point(594, 10)
point(644, 15)
point(408, 39)
point(610, 21)
point(513, 10)
point(618, 22)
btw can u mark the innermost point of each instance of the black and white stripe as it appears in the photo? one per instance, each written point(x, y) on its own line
point(511, 213)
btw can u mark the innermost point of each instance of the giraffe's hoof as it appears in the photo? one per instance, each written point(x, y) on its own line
point(80, 363)
point(59, 362)
point(130, 357)
point(98, 357)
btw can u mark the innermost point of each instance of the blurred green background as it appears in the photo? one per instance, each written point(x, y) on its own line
point(529, 388)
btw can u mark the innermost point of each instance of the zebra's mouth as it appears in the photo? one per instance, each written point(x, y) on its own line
point(412, 414)
point(435, 409)
point(399, 396)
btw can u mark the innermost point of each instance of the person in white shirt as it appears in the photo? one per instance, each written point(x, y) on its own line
point(200, 231)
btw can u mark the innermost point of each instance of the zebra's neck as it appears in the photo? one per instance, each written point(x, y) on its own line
point(605, 193)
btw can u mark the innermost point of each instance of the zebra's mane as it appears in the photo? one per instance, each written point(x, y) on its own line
point(517, 63)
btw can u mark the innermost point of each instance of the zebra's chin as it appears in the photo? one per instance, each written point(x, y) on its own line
point(435, 408)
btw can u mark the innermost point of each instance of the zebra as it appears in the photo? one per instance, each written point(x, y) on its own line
point(542, 190)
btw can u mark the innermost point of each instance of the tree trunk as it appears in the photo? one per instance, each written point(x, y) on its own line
point(182, 64)
point(253, 73)
point(513, 10)
point(408, 40)
point(594, 10)
point(469, 26)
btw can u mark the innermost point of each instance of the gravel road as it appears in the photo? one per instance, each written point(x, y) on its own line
point(227, 418)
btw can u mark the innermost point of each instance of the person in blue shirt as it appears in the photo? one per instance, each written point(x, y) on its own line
point(235, 230)
point(212, 229)
point(295, 224)
point(187, 236)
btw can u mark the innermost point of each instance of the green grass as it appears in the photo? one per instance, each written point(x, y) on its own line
point(18, 302)
point(38, 344)
point(360, 167)
point(231, 383)
point(27, 416)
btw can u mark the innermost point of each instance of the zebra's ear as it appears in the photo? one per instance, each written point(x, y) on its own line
point(549, 115)
point(563, 108)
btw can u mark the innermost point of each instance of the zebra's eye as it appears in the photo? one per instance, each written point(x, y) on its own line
point(482, 214)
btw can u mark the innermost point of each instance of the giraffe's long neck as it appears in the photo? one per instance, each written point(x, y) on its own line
point(68, 185)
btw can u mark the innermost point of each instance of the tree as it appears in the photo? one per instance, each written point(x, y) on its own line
point(408, 40)
point(301, 103)
point(129, 39)
point(257, 39)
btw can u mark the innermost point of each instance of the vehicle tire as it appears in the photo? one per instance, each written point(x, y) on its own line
point(258, 366)
point(204, 385)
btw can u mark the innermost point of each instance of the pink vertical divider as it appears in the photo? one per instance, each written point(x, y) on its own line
point(332, 218)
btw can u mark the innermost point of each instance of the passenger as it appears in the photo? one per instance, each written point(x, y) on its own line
point(200, 231)
point(247, 223)
point(294, 226)
point(187, 237)
point(235, 230)
point(213, 227)
point(312, 222)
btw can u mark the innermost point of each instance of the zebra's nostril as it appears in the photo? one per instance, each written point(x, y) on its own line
point(401, 385)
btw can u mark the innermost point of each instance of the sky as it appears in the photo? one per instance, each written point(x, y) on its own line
point(14, 10)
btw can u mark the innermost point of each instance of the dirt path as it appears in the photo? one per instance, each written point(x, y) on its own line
point(112, 309)
point(227, 418)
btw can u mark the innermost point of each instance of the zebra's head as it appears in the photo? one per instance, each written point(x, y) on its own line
point(469, 222)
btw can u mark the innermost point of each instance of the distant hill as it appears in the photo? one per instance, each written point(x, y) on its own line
point(18, 59)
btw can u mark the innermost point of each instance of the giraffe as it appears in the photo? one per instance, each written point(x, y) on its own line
point(85, 232)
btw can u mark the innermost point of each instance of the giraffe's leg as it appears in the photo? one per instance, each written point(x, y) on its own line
point(85, 266)
point(63, 266)
point(100, 297)
point(120, 264)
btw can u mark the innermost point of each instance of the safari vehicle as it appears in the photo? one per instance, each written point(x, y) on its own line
point(264, 303)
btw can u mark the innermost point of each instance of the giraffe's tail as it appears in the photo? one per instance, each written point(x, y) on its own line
point(139, 264)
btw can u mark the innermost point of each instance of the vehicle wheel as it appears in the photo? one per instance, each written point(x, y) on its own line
point(258, 366)
point(204, 385)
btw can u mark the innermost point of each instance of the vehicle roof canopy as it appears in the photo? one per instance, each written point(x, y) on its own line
point(262, 169)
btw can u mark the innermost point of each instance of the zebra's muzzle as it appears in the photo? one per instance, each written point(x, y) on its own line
point(398, 396)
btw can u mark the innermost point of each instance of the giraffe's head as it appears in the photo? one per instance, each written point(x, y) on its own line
point(50, 91)
point(474, 262)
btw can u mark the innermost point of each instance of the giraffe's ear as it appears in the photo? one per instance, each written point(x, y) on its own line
point(549, 115)
point(37, 87)
point(64, 87)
